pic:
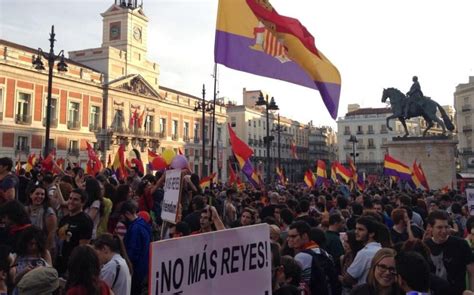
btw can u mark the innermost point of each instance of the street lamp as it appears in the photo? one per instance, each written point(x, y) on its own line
point(269, 106)
point(51, 57)
point(354, 140)
point(278, 128)
point(204, 106)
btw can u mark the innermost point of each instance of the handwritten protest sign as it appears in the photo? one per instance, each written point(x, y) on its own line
point(234, 261)
point(172, 190)
point(470, 200)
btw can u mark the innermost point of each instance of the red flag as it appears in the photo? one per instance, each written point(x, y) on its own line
point(139, 164)
point(140, 119)
point(133, 118)
point(293, 150)
point(94, 165)
point(47, 163)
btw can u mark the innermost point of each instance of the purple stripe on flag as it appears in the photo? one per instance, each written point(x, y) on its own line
point(235, 52)
point(392, 172)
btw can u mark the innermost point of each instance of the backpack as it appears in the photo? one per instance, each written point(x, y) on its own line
point(324, 279)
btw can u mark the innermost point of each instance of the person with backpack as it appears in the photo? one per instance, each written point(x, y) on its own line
point(319, 274)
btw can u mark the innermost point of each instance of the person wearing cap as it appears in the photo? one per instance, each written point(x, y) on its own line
point(39, 281)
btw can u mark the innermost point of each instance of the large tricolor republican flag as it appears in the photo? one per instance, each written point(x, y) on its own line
point(252, 37)
point(242, 153)
point(393, 167)
point(342, 172)
point(281, 176)
point(320, 173)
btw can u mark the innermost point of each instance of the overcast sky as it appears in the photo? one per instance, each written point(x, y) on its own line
point(374, 44)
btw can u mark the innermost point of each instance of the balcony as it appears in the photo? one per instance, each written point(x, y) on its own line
point(467, 128)
point(348, 146)
point(73, 125)
point(384, 131)
point(360, 146)
point(22, 149)
point(360, 132)
point(186, 138)
point(174, 136)
point(53, 123)
point(370, 131)
point(347, 132)
point(151, 133)
point(196, 139)
point(466, 107)
point(371, 147)
point(250, 142)
point(162, 134)
point(94, 127)
point(23, 119)
point(73, 152)
point(467, 151)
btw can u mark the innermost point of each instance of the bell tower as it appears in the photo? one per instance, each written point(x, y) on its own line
point(125, 27)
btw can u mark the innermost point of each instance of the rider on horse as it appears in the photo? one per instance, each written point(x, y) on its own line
point(414, 95)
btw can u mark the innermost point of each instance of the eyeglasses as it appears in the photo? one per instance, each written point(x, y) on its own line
point(389, 269)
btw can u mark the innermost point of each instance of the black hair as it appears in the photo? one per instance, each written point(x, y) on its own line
point(370, 223)
point(198, 202)
point(437, 215)
point(15, 211)
point(286, 216)
point(292, 270)
point(414, 270)
point(130, 207)
point(29, 234)
point(470, 224)
point(182, 227)
point(94, 193)
point(301, 227)
point(7, 162)
point(317, 235)
point(84, 270)
point(304, 205)
point(357, 209)
point(115, 244)
point(82, 193)
point(335, 218)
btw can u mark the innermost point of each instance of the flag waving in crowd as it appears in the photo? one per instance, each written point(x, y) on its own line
point(252, 37)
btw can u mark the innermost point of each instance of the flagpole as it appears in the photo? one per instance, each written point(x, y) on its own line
point(213, 125)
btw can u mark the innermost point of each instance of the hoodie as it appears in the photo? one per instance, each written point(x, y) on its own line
point(137, 243)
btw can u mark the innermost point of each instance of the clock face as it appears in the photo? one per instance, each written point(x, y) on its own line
point(137, 33)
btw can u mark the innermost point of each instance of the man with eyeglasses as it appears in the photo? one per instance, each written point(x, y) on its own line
point(312, 259)
point(366, 232)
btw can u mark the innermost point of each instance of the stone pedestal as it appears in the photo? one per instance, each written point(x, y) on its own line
point(436, 155)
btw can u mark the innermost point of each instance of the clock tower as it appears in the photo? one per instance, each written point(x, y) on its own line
point(124, 45)
point(125, 28)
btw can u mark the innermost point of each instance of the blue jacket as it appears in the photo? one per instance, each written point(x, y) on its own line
point(137, 243)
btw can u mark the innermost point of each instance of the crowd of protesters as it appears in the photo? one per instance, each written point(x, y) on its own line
point(72, 233)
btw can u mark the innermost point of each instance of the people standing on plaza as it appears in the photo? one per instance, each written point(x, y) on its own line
point(8, 181)
point(94, 206)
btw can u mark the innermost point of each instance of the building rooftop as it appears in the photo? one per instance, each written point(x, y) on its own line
point(369, 111)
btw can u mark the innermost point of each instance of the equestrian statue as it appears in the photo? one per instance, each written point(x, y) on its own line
point(415, 104)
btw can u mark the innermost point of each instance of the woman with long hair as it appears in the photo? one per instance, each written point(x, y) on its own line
point(381, 279)
point(41, 214)
point(116, 268)
point(351, 247)
point(94, 206)
point(84, 273)
point(31, 251)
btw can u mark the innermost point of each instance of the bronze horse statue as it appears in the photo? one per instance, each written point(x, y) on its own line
point(424, 107)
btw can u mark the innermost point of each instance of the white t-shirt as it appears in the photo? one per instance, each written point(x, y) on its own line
point(359, 269)
point(123, 284)
point(96, 205)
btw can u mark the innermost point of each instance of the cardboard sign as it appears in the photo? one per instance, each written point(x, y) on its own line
point(470, 200)
point(233, 261)
point(172, 190)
